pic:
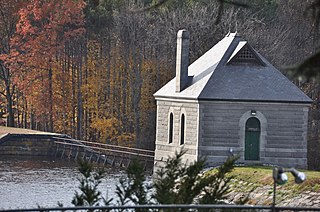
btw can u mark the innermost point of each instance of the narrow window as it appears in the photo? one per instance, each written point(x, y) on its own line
point(182, 129)
point(171, 128)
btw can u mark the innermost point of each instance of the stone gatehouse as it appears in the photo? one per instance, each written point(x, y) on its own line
point(231, 101)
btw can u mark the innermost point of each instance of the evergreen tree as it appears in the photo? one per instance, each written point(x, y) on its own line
point(134, 187)
point(175, 183)
point(89, 182)
point(178, 183)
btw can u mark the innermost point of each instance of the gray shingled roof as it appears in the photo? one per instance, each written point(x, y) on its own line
point(216, 77)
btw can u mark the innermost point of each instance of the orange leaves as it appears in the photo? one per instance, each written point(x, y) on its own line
point(110, 131)
point(97, 84)
point(45, 26)
point(44, 29)
point(108, 128)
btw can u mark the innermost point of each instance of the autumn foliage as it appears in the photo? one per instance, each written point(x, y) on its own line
point(89, 68)
point(73, 81)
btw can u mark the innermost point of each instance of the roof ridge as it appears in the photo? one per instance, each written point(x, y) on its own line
point(232, 34)
point(215, 80)
point(223, 60)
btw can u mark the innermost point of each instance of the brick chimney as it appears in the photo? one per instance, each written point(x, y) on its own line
point(182, 60)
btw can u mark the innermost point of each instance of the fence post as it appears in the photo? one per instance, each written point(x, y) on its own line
point(70, 152)
point(98, 158)
point(64, 148)
point(57, 150)
point(75, 158)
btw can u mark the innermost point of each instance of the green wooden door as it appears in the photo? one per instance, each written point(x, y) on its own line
point(252, 139)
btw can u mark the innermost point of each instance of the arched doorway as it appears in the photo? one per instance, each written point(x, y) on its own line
point(252, 139)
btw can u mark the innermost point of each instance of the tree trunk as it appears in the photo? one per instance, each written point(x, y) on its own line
point(25, 113)
point(50, 127)
point(79, 101)
point(10, 118)
point(73, 75)
point(123, 112)
point(136, 95)
point(8, 95)
point(33, 124)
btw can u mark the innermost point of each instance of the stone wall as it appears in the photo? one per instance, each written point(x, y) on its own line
point(283, 138)
point(263, 195)
point(27, 145)
point(163, 148)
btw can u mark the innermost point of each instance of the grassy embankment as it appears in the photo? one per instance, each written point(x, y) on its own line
point(248, 179)
point(261, 176)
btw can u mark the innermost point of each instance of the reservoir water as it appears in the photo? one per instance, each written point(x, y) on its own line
point(33, 182)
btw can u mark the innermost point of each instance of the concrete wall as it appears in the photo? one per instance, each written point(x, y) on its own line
point(27, 145)
point(163, 148)
point(283, 138)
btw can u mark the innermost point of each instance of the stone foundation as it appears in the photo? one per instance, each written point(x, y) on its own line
point(27, 145)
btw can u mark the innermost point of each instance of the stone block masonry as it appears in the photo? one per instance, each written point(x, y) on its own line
point(163, 148)
point(27, 145)
point(282, 141)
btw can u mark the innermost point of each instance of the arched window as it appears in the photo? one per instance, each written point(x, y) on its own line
point(170, 128)
point(182, 127)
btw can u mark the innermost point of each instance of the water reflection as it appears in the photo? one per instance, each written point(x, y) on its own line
point(33, 182)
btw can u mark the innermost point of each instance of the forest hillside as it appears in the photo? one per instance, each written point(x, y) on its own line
point(89, 68)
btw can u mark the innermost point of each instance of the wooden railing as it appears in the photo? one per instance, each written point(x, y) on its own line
point(102, 153)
